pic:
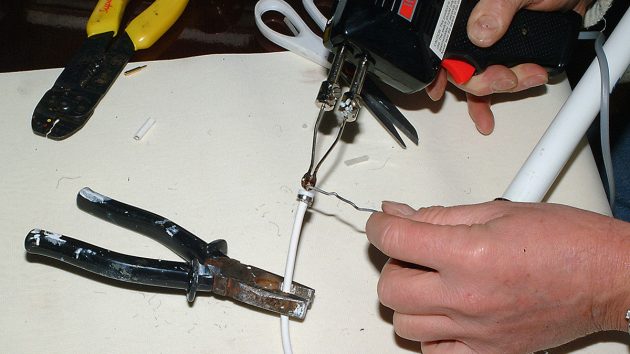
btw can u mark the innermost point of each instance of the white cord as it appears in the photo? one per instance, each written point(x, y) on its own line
point(305, 198)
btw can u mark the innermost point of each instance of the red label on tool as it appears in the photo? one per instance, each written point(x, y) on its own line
point(106, 6)
point(407, 8)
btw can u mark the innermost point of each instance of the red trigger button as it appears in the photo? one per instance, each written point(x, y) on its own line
point(460, 70)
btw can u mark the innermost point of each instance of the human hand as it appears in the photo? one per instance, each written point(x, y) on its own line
point(487, 23)
point(501, 277)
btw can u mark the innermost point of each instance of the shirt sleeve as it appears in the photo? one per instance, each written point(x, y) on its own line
point(596, 12)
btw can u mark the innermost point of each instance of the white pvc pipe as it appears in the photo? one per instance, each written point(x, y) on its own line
point(304, 198)
point(570, 124)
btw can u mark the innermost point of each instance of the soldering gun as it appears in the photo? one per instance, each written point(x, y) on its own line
point(403, 43)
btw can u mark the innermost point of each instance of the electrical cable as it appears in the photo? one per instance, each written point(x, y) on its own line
point(604, 111)
point(305, 200)
point(604, 118)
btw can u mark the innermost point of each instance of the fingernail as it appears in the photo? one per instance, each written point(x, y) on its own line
point(397, 208)
point(503, 85)
point(484, 131)
point(535, 80)
point(484, 30)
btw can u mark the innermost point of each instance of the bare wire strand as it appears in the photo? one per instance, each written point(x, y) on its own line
point(345, 200)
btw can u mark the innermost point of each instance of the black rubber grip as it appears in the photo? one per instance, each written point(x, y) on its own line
point(544, 38)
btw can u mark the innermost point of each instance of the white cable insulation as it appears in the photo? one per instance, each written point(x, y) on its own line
point(290, 265)
point(568, 127)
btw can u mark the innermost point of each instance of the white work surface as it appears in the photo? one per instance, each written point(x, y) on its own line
point(224, 160)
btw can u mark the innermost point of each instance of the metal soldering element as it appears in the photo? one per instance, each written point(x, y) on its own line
point(309, 179)
point(351, 101)
point(330, 91)
point(327, 98)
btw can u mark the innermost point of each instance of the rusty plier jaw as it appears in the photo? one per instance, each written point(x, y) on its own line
point(208, 268)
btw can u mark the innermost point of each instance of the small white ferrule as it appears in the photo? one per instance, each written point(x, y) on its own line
point(144, 129)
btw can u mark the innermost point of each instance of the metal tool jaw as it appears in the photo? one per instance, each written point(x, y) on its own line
point(68, 105)
point(207, 267)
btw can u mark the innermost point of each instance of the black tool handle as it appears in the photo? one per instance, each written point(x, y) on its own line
point(543, 38)
point(108, 263)
point(159, 228)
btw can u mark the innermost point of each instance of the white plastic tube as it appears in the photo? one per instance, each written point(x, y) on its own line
point(570, 124)
point(305, 198)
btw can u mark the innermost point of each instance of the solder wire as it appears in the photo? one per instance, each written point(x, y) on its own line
point(345, 200)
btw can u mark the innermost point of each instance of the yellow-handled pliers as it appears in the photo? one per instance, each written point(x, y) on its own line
point(67, 106)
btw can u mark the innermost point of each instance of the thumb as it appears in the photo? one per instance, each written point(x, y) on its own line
point(490, 19)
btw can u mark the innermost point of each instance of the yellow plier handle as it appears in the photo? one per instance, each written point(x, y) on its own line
point(145, 29)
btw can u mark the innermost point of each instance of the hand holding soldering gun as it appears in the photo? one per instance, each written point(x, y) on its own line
point(487, 23)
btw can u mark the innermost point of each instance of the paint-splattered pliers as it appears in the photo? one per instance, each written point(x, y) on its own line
point(207, 266)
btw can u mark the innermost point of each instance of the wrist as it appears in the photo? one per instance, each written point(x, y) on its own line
point(614, 282)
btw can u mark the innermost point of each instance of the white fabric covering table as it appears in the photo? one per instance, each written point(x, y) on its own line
point(231, 141)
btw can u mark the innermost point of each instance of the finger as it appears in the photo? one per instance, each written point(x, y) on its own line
point(455, 215)
point(480, 113)
point(425, 328)
point(445, 347)
point(397, 209)
point(529, 75)
point(490, 19)
point(494, 79)
point(436, 89)
point(433, 246)
point(411, 290)
point(498, 79)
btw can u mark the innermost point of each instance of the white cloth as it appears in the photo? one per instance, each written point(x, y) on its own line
point(224, 160)
point(596, 13)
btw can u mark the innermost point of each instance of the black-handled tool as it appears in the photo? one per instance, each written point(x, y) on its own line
point(207, 266)
point(405, 42)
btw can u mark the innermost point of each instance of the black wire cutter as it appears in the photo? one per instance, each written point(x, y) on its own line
point(207, 266)
point(68, 105)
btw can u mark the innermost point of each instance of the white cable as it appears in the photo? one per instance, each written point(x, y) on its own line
point(305, 199)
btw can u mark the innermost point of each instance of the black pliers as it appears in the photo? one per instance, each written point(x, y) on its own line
point(207, 266)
